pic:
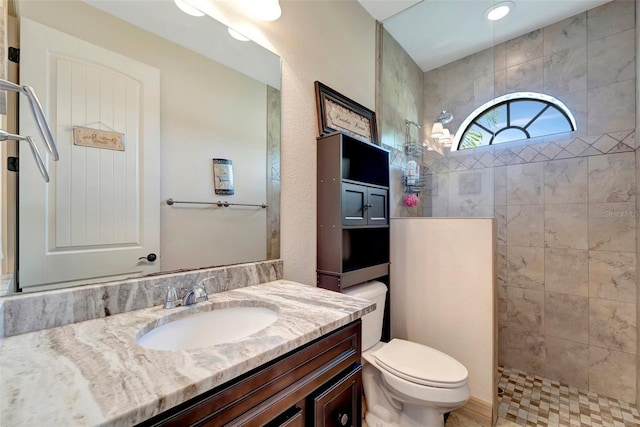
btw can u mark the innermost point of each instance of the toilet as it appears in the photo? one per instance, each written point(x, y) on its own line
point(405, 384)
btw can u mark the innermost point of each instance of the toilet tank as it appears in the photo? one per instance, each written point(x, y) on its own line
point(372, 322)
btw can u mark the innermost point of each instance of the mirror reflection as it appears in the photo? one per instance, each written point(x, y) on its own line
point(175, 91)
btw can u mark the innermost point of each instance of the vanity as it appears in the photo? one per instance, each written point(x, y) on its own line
point(301, 370)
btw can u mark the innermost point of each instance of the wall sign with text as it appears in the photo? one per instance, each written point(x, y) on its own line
point(336, 112)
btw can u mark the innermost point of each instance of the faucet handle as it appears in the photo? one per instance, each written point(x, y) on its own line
point(172, 299)
point(199, 293)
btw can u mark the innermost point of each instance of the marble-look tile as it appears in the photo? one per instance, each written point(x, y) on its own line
point(526, 310)
point(612, 373)
point(566, 71)
point(576, 102)
point(522, 350)
point(525, 267)
point(565, 181)
point(566, 361)
point(612, 178)
point(503, 315)
point(500, 213)
point(566, 316)
point(611, 108)
point(499, 57)
point(566, 271)
point(612, 275)
point(568, 33)
point(610, 18)
point(458, 71)
point(525, 183)
point(500, 83)
point(524, 48)
point(483, 89)
point(483, 62)
point(612, 325)
point(527, 76)
point(566, 225)
point(437, 195)
point(612, 227)
point(611, 59)
point(470, 192)
point(525, 225)
point(500, 184)
point(501, 254)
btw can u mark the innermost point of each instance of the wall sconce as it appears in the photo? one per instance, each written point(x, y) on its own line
point(439, 133)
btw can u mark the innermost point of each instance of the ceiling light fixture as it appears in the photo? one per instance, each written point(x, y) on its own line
point(499, 10)
point(187, 8)
point(267, 10)
point(236, 35)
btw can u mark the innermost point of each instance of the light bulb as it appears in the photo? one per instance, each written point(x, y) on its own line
point(236, 35)
point(437, 130)
point(187, 8)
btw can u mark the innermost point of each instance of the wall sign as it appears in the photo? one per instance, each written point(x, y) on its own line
point(336, 112)
point(96, 138)
point(223, 176)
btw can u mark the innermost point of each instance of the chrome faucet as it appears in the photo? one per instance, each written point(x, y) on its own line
point(195, 294)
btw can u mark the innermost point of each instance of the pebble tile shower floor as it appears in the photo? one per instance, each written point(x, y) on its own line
point(530, 400)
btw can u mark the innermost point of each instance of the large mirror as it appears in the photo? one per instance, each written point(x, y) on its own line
point(175, 92)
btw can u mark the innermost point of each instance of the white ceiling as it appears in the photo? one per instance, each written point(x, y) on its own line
point(203, 35)
point(437, 32)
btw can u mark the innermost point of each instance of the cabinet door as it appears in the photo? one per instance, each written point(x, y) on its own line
point(341, 404)
point(377, 206)
point(354, 203)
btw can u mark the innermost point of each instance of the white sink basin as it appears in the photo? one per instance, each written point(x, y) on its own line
point(207, 328)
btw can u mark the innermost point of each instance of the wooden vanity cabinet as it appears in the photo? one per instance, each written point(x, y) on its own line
point(318, 384)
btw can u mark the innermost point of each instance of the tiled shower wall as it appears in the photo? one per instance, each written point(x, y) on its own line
point(565, 206)
point(401, 87)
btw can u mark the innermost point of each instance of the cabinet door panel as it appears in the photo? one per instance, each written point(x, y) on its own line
point(354, 199)
point(377, 207)
point(338, 406)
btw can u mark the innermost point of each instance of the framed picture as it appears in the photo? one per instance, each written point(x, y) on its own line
point(223, 176)
point(336, 112)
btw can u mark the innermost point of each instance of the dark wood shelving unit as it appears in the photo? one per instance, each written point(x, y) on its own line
point(353, 212)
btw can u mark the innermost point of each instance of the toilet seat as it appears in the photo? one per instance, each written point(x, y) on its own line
point(421, 365)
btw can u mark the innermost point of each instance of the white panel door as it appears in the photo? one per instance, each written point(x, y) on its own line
point(100, 212)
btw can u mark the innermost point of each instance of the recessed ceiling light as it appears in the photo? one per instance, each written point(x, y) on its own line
point(187, 8)
point(499, 10)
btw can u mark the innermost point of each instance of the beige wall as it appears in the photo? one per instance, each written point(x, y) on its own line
point(207, 111)
point(442, 295)
point(329, 41)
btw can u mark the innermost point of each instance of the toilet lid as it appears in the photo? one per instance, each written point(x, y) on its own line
point(421, 364)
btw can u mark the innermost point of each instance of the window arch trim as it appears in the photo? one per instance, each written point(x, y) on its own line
point(478, 113)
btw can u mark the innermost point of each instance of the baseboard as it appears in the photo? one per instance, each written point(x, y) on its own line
point(478, 410)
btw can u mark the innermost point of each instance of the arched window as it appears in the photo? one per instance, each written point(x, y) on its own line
point(513, 117)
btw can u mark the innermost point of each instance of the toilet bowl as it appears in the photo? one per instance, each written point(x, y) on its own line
point(406, 384)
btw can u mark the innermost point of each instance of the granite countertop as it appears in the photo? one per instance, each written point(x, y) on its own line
point(93, 372)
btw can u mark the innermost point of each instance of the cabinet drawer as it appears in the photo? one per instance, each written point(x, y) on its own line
point(338, 405)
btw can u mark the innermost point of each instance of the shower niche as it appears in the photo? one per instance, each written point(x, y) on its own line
point(353, 209)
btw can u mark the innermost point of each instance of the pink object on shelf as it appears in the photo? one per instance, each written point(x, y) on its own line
point(410, 200)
